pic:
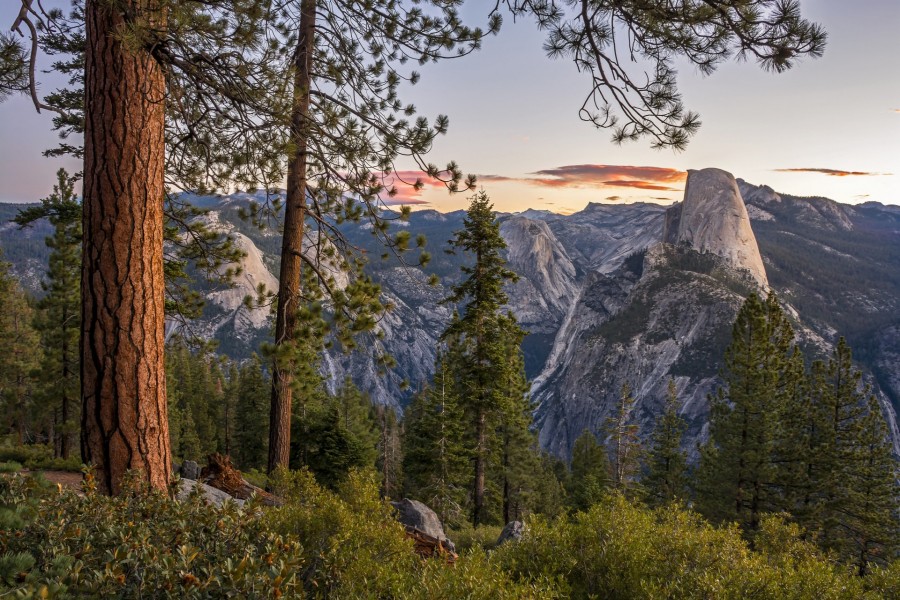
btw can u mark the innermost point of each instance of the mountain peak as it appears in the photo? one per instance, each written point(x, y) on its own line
point(713, 218)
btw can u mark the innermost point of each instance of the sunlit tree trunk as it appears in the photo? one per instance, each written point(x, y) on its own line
point(124, 419)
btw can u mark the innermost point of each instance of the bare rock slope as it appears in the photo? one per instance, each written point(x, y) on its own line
point(713, 218)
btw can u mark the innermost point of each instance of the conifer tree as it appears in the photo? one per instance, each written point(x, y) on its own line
point(435, 461)
point(519, 459)
point(19, 357)
point(389, 463)
point(251, 416)
point(59, 317)
point(591, 473)
point(481, 332)
point(343, 127)
point(175, 49)
point(739, 470)
point(853, 488)
point(358, 417)
point(666, 463)
point(624, 444)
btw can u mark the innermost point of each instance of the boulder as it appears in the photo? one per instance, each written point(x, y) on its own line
point(190, 470)
point(414, 514)
point(211, 495)
point(513, 531)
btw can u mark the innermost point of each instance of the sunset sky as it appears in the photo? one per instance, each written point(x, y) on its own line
point(828, 127)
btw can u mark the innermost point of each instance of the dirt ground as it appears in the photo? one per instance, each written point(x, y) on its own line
point(64, 478)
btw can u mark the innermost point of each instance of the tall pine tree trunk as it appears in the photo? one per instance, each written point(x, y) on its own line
point(292, 244)
point(480, 460)
point(124, 419)
point(64, 432)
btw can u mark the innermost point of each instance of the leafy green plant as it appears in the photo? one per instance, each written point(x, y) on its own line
point(10, 466)
point(618, 549)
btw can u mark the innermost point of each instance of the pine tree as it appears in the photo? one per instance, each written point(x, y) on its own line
point(591, 473)
point(666, 463)
point(251, 418)
point(229, 407)
point(519, 458)
point(59, 317)
point(358, 417)
point(435, 461)
point(343, 128)
point(480, 332)
point(739, 472)
point(853, 488)
point(624, 444)
point(19, 358)
point(390, 451)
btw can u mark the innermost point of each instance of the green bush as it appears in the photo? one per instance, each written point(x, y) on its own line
point(620, 550)
point(36, 457)
point(10, 466)
point(25, 453)
point(320, 544)
point(467, 537)
point(354, 548)
point(139, 544)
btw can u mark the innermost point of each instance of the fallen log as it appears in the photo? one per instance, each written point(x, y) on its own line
point(428, 546)
point(222, 475)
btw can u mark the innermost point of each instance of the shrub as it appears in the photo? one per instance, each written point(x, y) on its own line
point(620, 550)
point(354, 548)
point(319, 544)
point(10, 467)
point(467, 537)
point(137, 544)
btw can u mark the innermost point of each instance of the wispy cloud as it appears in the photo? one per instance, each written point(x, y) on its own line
point(830, 172)
point(404, 183)
point(601, 176)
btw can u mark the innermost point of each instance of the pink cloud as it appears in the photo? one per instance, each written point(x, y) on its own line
point(602, 176)
point(830, 172)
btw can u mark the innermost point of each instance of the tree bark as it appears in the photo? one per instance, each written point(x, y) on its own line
point(292, 244)
point(124, 417)
point(480, 459)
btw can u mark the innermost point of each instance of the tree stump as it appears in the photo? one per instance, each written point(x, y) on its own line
point(222, 475)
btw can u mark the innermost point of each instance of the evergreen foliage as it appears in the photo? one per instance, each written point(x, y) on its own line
point(665, 476)
point(19, 359)
point(591, 474)
point(251, 432)
point(435, 458)
point(58, 319)
point(740, 476)
point(852, 498)
point(484, 357)
point(625, 446)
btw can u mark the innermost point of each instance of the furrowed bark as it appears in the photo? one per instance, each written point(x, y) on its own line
point(289, 292)
point(124, 417)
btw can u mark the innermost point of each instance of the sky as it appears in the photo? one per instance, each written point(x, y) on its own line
point(828, 127)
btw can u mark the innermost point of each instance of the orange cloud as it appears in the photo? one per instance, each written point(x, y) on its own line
point(830, 172)
point(601, 176)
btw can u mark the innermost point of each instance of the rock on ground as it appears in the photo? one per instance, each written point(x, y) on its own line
point(413, 513)
point(513, 531)
point(211, 495)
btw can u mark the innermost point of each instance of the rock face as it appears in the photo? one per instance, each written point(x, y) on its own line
point(413, 513)
point(670, 317)
point(712, 218)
